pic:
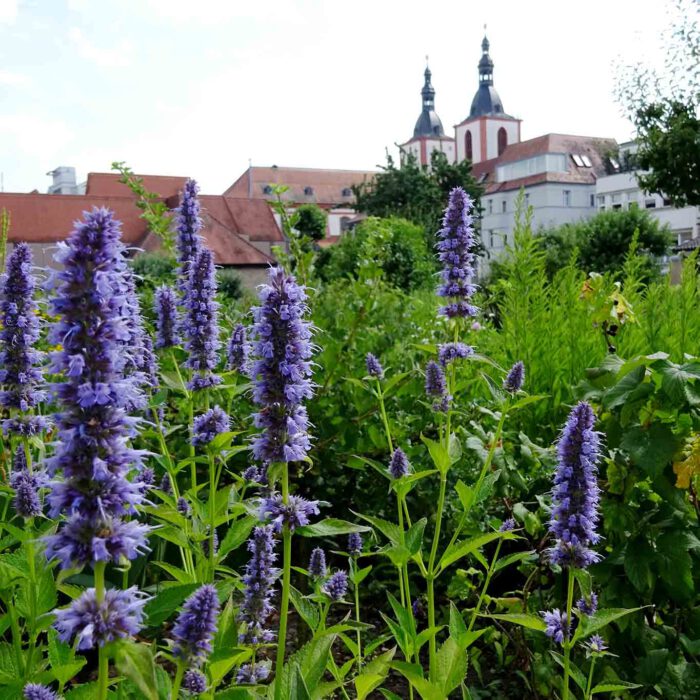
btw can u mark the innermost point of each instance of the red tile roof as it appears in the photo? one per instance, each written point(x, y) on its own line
point(327, 185)
point(108, 185)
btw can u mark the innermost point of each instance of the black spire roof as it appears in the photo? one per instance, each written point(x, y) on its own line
point(486, 100)
point(428, 123)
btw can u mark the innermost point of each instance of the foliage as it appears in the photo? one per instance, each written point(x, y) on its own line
point(153, 269)
point(396, 246)
point(310, 221)
point(415, 192)
point(229, 284)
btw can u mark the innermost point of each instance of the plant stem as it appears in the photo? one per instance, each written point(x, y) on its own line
point(431, 575)
point(487, 581)
point(587, 694)
point(567, 639)
point(286, 581)
point(103, 658)
point(212, 515)
point(353, 570)
point(179, 673)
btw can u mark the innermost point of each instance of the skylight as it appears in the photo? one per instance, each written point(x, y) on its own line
point(577, 159)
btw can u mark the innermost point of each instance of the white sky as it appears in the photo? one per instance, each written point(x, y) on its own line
point(199, 87)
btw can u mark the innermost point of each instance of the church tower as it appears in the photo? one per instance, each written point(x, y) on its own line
point(428, 134)
point(488, 130)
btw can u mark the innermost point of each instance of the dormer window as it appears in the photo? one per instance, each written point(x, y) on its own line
point(347, 192)
point(267, 189)
point(308, 191)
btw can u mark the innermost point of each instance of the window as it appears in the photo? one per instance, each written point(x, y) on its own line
point(502, 140)
point(547, 162)
point(667, 201)
point(483, 178)
point(491, 239)
point(592, 200)
point(617, 205)
point(527, 199)
point(267, 189)
point(577, 160)
point(347, 192)
point(586, 161)
point(601, 202)
point(468, 145)
point(504, 206)
point(308, 191)
point(567, 198)
point(650, 203)
point(490, 206)
point(344, 223)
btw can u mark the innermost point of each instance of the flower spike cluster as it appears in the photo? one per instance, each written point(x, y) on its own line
point(576, 493)
point(337, 586)
point(456, 253)
point(282, 370)
point(201, 322)
point(165, 306)
point(35, 691)
point(436, 387)
point(317, 563)
point(515, 378)
point(374, 367)
point(238, 354)
point(210, 424)
point(20, 373)
point(189, 225)
point(195, 626)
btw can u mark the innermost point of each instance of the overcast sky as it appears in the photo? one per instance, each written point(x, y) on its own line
point(199, 87)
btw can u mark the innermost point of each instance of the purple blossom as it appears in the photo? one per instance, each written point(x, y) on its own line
point(507, 525)
point(259, 579)
point(210, 424)
point(34, 691)
point(588, 606)
point(436, 387)
point(337, 586)
point(148, 478)
point(194, 681)
point(205, 542)
point(576, 494)
point(456, 253)
point(201, 322)
point(596, 644)
point(515, 378)
point(354, 544)
point(183, 507)
point(119, 615)
point(20, 373)
point(257, 475)
point(295, 513)
point(92, 452)
point(282, 370)
point(252, 674)
point(26, 485)
point(189, 225)
point(195, 626)
point(374, 367)
point(166, 485)
point(399, 465)
point(449, 352)
point(557, 627)
point(317, 563)
point(165, 307)
point(239, 348)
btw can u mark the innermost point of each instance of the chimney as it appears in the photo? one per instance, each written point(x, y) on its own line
point(64, 181)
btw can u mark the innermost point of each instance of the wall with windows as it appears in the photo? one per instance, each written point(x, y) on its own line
point(423, 148)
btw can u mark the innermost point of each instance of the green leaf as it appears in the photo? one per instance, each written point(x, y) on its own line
point(615, 687)
point(575, 672)
point(237, 534)
point(161, 607)
point(414, 536)
point(304, 669)
point(618, 394)
point(675, 566)
point(451, 665)
point(306, 609)
point(532, 622)
point(414, 675)
point(676, 378)
point(511, 559)
point(390, 530)
point(330, 527)
point(136, 662)
point(365, 683)
point(652, 448)
point(600, 619)
point(222, 660)
point(639, 557)
point(438, 453)
point(459, 550)
point(526, 401)
point(64, 665)
point(357, 576)
point(176, 572)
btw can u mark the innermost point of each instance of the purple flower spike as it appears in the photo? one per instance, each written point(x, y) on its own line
point(507, 525)
point(456, 253)
point(557, 627)
point(207, 426)
point(588, 606)
point(195, 626)
point(189, 225)
point(294, 514)
point(399, 465)
point(337, 586)
point(317, 563)
point(449, 352)
point(119, 615)
point(205, 543)
point(20, 373)
point(374, 367)
point(166, 485)
point(183, 507)
point(354, 544)
point(596, 645)
point(576, 494)
point(259, 580)
point(165, 306)
point(250, 674)
point(282, 370)
point(239, 348)
point(26, 485)
point(34, 691)
point(201, 322)
point(436, 387)
point(515, 378)
point(194, 681)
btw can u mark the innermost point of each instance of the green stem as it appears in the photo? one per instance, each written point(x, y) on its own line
point(212, 515)
point(567, 640)
point(31, 560)
point(324, 614)
point(589, 684)
point(487, 581)
point(103, 657)
point(431, 575)
point(385, 419)
point(286, 582)
point(16, 633)
point(356, 586)
point(193, 464)
point(179, 673)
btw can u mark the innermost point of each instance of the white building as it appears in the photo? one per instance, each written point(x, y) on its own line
point(620, 190)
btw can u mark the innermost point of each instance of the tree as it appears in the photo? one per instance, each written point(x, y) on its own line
point(664, 107)
point(414, 192)
point(310, 221)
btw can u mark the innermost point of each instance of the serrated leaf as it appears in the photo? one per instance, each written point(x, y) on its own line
point(136, 662)
point(450, 665)
point(162, 606)
point(600, 619)
point(390, 530)
point(306, 609)
point(461, 549)
point(237, 534)
point(330, 527)
point(532, 622)
point(365, 683)
point(575, 672)
point(615, 687)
